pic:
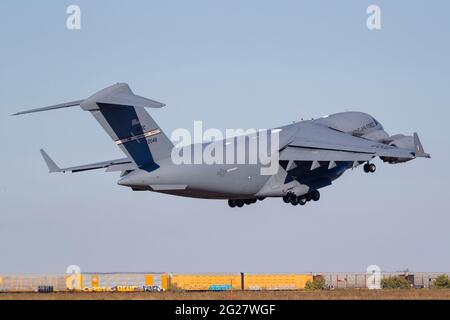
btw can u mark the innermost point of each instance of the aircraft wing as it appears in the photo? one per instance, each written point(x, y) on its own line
point(314, 142)
point(111, 165)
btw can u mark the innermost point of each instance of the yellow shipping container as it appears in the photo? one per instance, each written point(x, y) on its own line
point(164, 282)
point(203, 282)
point(95, 281)
point(276, 281)
point(148, 279)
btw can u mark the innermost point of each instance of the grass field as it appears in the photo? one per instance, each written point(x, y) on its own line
point(341, 294)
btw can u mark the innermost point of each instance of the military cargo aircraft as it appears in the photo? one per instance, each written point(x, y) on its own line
point(309, 156)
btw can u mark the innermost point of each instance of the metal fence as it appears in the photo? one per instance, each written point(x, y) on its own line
point(31, 283)
point(359, 280)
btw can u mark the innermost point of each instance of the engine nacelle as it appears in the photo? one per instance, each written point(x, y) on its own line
point(403, 142)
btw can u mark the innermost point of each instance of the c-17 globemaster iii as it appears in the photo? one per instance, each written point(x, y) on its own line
point(309, 154)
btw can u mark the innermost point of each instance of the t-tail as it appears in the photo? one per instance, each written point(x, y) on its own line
point(123, 116)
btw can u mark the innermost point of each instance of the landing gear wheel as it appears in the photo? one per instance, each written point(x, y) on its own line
point(302, 200)
point(315, 195)
point(240, 203)
point(294, 201)
point(308, 197)
point(372, 168)
point(231, 203)
point(366, 168)
point(287, 199)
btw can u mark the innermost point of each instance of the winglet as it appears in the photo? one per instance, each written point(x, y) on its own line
point(52, 167)
point(418, 148)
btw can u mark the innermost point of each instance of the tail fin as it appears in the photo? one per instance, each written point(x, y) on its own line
point(121, 113)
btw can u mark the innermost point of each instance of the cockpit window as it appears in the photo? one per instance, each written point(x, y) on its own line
point(377, 123)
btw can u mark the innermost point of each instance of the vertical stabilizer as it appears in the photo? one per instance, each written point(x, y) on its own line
point(121, 113)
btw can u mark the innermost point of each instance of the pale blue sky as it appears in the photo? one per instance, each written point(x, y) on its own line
point(232, 64)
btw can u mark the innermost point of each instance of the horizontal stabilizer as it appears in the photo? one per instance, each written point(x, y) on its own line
point(119, 94)
point(123, 164)
point(56, 106)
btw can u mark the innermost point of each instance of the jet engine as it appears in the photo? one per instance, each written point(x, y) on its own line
point(403, 142)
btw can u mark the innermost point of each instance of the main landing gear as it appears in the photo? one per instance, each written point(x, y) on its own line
point(370, 167)
point(240, 202)
point(303, 199)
